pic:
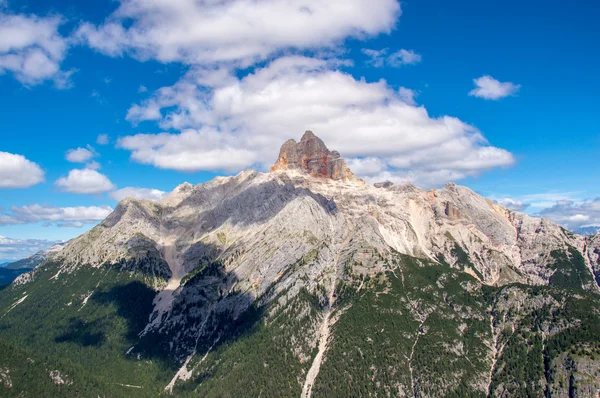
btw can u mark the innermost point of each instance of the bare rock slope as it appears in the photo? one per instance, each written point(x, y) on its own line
point(311, 196)
point(256, 240)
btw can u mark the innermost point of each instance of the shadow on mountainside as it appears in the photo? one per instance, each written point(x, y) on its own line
point(205, 315)
point(208, 312)
point(203, 312)
point(255, 205)
point(82, 333)
point(133, 303)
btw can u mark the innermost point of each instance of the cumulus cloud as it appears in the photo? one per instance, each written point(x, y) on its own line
point(102, 139)
point(573, 214)
point(381, 58)
point(32, 214)
point(229, 123)
point(18, 172)
point(80, 155)
point(85, 181)
point(138, 193)
point(32, 49)
point(93, 165)
point(539, 201)
point(514, 204)
point(491, 89)
point(237, 31)
point(16, 249)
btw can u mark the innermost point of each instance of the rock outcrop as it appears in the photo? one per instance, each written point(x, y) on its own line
point(311, 156)
point(275, 260)
point(261, 226)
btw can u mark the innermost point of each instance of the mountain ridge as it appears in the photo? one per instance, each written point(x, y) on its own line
point(300, 261)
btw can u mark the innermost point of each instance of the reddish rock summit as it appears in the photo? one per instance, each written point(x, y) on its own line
point(312, 156)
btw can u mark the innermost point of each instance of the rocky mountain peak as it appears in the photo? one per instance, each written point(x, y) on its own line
point(312, 156)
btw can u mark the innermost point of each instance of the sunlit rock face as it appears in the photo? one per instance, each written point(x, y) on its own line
point(312, 156)
point(302, 225)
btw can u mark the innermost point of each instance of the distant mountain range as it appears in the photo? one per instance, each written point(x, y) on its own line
point(308, 281)
point(587, 231)
point(11, 270)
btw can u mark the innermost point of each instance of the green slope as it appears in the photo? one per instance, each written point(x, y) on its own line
point(418, 329)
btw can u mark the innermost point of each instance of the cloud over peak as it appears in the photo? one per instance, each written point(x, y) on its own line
point(138, 193)
point(228, 123)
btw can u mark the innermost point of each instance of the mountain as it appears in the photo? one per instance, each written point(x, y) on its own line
point(10, 271)
point(587, 231)
point(308, 281)
point(32, 261)
point(9, 275)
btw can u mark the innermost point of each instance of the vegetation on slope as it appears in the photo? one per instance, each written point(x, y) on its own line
point(419, 329)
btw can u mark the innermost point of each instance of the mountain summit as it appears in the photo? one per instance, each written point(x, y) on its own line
point(312, 156)
point(307, 281)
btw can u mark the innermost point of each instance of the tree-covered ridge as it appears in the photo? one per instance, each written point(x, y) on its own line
point(81, 325)
point(415, 328)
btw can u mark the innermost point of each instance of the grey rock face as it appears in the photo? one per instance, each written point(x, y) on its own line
point(255, 235)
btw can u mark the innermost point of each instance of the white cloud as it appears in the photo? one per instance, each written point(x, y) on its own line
point(240, 31)
point(514, 204)
point(563, 208)
point(138, 193)
point(32, 214)
point(102, 139)
point(18, 172)
point(16, 249)
point(573, 214)
point(142, 89)
point(85, 181)
point(32, 49)
point(80, 155)
point(407, 95)
point(381, 58)
point(230, 123)
point(491, 89)
point(71, 224)
point(93, 165)
point(544, 200)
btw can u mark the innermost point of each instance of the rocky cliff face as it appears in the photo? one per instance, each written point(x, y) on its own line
point(311, 156)
point(295, 242)
point(258, 225)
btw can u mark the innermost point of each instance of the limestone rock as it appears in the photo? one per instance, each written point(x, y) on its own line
point(297, 227)
point(312, 156)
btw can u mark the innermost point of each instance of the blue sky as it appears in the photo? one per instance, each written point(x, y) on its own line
point(390, 85)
